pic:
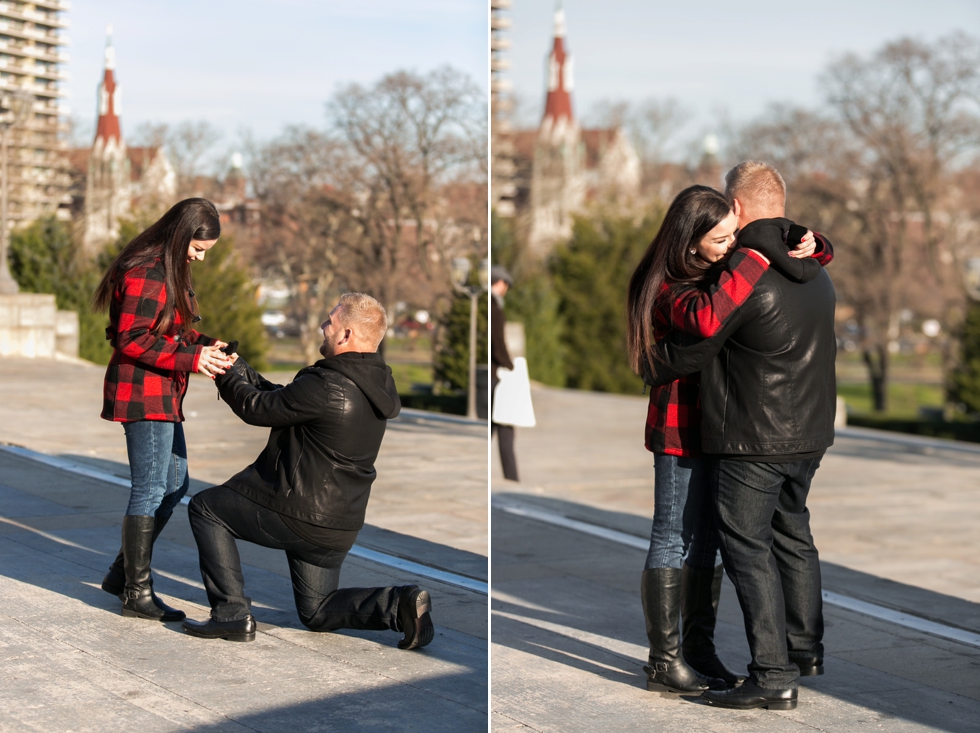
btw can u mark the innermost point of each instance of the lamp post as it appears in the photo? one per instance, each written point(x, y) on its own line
point(15, 109)
point(461, 276)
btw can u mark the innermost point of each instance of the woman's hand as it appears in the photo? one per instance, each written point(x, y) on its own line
point(213, 362)
point(805, 248)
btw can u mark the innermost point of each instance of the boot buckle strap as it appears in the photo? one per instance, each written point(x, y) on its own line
point(661, 667)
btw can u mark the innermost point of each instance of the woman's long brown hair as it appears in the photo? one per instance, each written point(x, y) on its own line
point(168, 239)
point(695, 212)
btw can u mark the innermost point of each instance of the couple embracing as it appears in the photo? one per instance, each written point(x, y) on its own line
point(731, 321)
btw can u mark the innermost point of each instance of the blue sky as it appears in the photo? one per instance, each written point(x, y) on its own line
point(714, 56)
point(257, 64)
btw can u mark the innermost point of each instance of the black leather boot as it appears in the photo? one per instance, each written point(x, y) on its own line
point(700, 592)
point(660, 589)
point(414, 606)
point(114, 581)
point(137, 597)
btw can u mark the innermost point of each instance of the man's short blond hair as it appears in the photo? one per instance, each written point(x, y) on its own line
point(365, 316)
point(757, 183)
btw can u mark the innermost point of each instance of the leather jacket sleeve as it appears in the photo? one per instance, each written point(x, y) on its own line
point(681, 354)
point(259, 402)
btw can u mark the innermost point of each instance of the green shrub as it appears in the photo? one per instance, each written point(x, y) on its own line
point(226, 296)
point(44, 259)
point(964, 379)
point(534, 302)
point(591, 275)
point(451, 361)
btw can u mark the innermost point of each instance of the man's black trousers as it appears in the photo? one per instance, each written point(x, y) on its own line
point(219, 516)
point(764, 534)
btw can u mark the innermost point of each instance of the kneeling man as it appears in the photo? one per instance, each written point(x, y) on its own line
point(307, 492)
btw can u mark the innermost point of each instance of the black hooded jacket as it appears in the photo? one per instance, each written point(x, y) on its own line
point(327, 426)
point(768, 388)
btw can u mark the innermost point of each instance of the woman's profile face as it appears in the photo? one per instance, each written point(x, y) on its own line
point(716, 243)
point(197, 248)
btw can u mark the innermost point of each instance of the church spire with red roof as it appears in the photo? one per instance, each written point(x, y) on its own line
point(558, 105)
point(108, 127)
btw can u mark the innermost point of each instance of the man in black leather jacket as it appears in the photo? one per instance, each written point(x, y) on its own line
point(307, 492)
point(768, 397)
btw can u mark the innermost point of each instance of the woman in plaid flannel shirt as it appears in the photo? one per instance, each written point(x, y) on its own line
point(147, 290)
point(687, 281)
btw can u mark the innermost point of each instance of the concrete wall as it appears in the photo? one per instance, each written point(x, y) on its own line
point(32, 326)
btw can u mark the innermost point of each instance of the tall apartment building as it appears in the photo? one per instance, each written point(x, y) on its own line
point(31, 59)
point(502, 189)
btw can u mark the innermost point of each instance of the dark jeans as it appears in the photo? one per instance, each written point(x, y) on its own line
point(505, 439)
point(157, 466)
point(682, 523)
point(764, 533)
point(220, 515)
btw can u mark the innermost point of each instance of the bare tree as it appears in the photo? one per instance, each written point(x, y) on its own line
point(404, 140)
point(303, 223)
point(876, 169)
point(382, 200)
point(190, 146)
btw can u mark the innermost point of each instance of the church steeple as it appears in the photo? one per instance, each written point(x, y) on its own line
point(108, 127)
point(558, 105)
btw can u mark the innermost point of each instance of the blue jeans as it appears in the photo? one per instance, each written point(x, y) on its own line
point(157, 467)
point(764, 532)
point(682, 520)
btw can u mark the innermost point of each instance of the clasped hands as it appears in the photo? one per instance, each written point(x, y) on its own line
point(214, 361)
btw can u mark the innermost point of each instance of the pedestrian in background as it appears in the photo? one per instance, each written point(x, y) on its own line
point(500, 283)
point(151, 303)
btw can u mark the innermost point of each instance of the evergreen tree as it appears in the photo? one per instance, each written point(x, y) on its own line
point(533, 302)
point(226, 296)
point(591, 274)
point(964, 380)
point(44, 259)
point(451, 364)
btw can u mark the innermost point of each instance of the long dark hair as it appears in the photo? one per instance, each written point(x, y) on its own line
point(695, 212)
point(168, 240)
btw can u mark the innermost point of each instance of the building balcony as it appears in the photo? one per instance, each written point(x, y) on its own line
point(32, 16)
point(62, 5)
point(499, 44)
point(499, 64)
point(498, 23)
point(501, 4)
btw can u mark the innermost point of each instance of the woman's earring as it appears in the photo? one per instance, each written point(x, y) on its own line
point(693, 251)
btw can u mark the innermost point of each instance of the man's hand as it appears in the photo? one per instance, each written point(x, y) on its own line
point(805, 248)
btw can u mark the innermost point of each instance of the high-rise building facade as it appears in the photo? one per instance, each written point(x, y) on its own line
point(31, 62)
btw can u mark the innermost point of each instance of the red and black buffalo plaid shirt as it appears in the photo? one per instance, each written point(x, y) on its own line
point(147, 375)
point(674, 415)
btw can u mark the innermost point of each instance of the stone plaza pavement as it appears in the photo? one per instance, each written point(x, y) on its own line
point(70, 662)
point(896, 522)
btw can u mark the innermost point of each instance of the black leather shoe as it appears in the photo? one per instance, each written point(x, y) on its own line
point(414, 606)
point(749, 696)
point(809, 666)
point(242, 630)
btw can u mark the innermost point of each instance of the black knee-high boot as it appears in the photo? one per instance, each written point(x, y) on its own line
point(660, 589)
point(700, 592)
point(114, 581)
point(138, 597)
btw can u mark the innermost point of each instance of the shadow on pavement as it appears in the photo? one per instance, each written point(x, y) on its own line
point(416, 549)
point(561, 577)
